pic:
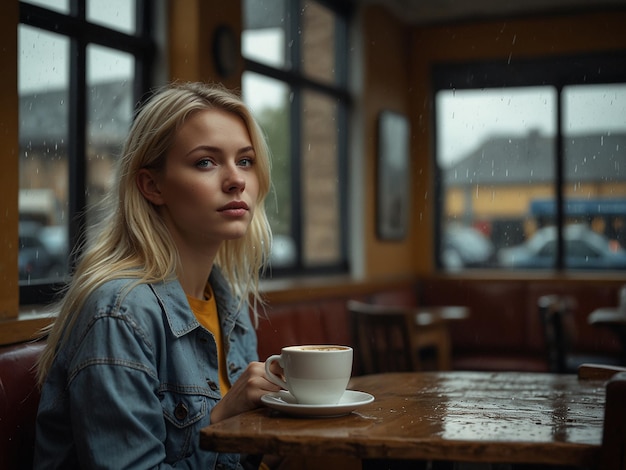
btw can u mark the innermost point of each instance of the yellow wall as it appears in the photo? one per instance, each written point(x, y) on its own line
point(386, 87)
point(191, 35)
point(493, 40)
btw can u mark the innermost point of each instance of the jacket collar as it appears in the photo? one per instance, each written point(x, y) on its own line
point(179, 316)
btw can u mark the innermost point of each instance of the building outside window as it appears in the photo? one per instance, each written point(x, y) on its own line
point(296, 84)
point(532, 165)
point(82, 68)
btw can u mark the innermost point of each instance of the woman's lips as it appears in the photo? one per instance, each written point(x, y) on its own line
point(234, 209)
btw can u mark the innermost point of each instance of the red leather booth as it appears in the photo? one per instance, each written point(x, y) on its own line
point(19, 399)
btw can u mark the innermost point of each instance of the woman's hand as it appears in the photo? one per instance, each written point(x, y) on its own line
point(245, 394)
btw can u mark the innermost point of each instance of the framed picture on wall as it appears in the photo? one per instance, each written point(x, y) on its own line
point(393, 178)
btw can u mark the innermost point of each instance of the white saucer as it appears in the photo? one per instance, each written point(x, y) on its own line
point(284, 401)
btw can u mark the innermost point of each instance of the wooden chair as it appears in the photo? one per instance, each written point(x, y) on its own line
point(556, 313)
point(614, 433)
point(598, 371)
point(613, 456)
point(383, 338)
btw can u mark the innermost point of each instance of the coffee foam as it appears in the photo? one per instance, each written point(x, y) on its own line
point(321, 348)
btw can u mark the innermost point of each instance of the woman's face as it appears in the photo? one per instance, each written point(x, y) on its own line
point(209, 187)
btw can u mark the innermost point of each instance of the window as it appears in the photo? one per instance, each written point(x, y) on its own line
point(82, 67)
point(296, 84)
point(531, 161)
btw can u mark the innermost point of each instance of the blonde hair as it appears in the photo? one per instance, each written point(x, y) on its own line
point(133, 241)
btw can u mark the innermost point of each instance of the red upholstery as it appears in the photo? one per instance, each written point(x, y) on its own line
point(319, 322)
point(589, 296)
point(19, 399)
point(323, 320)
point(497, 321)
point(504, 330)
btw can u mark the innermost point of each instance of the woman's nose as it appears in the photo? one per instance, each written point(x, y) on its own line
point(234, 180)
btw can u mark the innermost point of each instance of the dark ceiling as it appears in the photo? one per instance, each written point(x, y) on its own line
point(420, 12)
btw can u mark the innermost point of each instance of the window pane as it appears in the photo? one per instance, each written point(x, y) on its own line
point(109, 114)
point(43, 82)
point(300, 42)
point(495, 149)
point(318, 42)
point(265, 36)
point(594, 130)
point(320, 180)
point(62, 6)
point(269, 101)
point(114, 14)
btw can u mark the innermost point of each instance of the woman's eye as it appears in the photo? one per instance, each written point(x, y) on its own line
point(246, 161)
point(205, 163)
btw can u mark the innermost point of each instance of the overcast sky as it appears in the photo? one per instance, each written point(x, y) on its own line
point(467, 117)
point(42, 62)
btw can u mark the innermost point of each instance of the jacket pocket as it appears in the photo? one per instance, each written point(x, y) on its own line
point(185, 415)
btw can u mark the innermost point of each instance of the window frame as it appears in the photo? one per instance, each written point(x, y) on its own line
point(558, 72)
point(81, 33)
point(296, 80)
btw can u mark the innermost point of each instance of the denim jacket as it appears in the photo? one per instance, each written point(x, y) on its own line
point(137, 380)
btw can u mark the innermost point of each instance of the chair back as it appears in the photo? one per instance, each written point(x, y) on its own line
point(555, 314)
point(594, 371)
point(383, 338)
point(614, 430)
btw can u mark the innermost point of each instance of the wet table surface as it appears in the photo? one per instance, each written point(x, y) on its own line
point(491, 417)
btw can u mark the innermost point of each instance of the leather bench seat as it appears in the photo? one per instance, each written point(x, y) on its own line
point(19, 399)
point(504, 331)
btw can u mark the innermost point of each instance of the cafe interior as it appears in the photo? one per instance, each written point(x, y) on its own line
point(449, 176)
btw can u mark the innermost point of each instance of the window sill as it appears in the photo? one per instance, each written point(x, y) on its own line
point(27, 327)
point(33, 319)
point(315, 287)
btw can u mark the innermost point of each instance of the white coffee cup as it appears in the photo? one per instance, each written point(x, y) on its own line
point(315, 374)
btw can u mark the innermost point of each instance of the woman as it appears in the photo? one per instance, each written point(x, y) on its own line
point(154, 340)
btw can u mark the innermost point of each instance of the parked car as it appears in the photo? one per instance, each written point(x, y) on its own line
point(283, 253)
point(584, 249)
point(39, 254)
point(465, 247)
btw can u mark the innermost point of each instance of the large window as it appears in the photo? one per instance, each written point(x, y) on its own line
point(82, 67)
point(296, 83)
point(531, 161)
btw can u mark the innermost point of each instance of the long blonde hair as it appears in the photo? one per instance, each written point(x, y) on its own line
point(133, 241)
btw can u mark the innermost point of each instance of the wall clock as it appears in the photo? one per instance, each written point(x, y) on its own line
point(225, 50)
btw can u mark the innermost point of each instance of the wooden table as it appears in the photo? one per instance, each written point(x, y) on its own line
point(495, 417)
point(614, 319)
point(432, 330)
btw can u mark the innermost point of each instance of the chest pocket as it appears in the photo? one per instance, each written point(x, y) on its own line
point(185, 415)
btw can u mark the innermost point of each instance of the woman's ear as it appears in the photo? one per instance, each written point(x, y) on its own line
point(149, 187)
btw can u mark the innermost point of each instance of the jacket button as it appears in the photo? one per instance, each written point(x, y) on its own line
point(212, 385)
point(233, 367)
point(181, 411)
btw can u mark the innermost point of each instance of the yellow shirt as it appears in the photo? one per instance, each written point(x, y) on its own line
point(206, 313)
